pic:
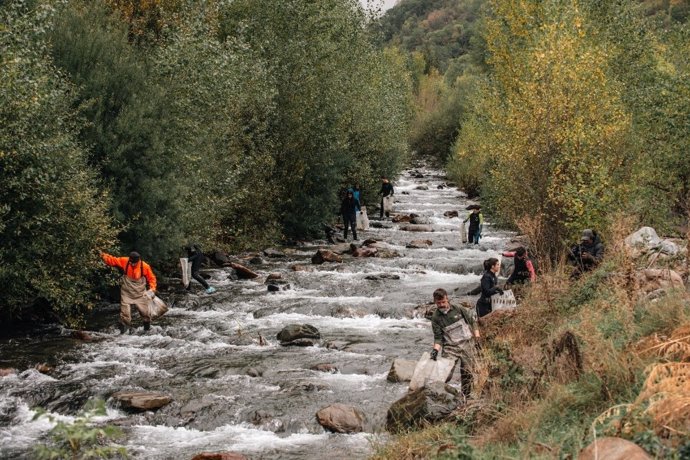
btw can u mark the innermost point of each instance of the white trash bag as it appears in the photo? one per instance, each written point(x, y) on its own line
point(428, 370)
point(157, 308)
point(388, 203)
point(506, 301)
point(463, 233)
point(363, 219)
point(186, 269)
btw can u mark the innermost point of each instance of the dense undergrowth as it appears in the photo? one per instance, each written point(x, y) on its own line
point(599, 356)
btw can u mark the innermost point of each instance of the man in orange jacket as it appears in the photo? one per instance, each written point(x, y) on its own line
point(136, 274)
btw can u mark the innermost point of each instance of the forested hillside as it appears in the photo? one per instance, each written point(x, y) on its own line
point(144, 125)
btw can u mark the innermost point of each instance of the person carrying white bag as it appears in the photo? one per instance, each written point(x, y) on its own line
point(456, 334)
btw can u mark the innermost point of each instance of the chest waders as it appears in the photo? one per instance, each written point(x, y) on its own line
point(458, 344)
point(132, 292)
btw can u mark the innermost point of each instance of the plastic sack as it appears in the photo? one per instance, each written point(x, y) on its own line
point(157, 308)
point(388, 203)
point(363, 219)
point(503, 302)
point(186, 269)
point(428, 370)
point(463, 233)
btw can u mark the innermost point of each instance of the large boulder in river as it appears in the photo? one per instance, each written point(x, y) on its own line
point(610, 448)
point(430, 404)
point(299, 335)
point(243, 272)
point(401, 370)
point(141, 400)
point(341, 248)
point(219, 258)
point(365, 252)
point(324, 255)
point(417, 228)
point(219, 456)
point(341, 418)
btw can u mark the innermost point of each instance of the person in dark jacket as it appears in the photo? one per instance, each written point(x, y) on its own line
point(348, 209)
point(456, 333)
point(476, 219)
point(386, 193)
point(489, 285)
point(586, 255)
point(523, 269)
point(196, 257)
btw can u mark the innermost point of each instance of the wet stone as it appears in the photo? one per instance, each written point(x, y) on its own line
point(330, 368)
point(256, 261)
point(219, 456)
point(140, 400)
point(341, 418)
point(382, 276)
point(299, 334)
point(274, 253)
point(401, 370)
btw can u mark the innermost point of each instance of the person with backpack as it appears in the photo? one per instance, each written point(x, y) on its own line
point(523, 268)
point(476, 219)
point(455, 335)
point(137, 287)
point(195, 256)
point(348, 209)
point(586, 255)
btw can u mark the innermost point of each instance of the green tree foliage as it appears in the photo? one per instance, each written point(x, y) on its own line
point(329, 83)
point(52, 217)
point(558, 143)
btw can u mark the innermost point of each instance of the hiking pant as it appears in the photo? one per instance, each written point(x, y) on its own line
point(132, 292)
point(200, 279)
point(350, 220)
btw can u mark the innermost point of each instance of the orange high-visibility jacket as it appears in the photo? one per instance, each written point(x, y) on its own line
point(132, 271)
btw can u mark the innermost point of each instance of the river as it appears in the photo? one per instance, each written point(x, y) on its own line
point(230, 393)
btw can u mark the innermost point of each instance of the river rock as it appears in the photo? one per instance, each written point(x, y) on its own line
point(244, 272)
point(219, 258)
point(300, 268)
point(255, 372)
point(419, 244)
point(278, 287)
point(430, 404)
point(387, 253)
point(401, 370)
point(378, 224)
point(256, 261)
point(382, 276)
point(43, 368)
point(652, 279)
point(400, 218)
point(610, 448)
point(341, 248)
point(341, 418)
point(421, 187)
point(417, 228)
point(337, 345)
point(274, 253)
point(324, 255)
point(298, 334)
point(330, 368)
point(369, 242)
point(81, 335)
point(219, 456)
point(404, 193)
point(646, 239)
point(441, 186)
point(273, 277)
point(420, 220)
point(451, 214)
point(365, 252)
point(5, 371)
point(141, 400)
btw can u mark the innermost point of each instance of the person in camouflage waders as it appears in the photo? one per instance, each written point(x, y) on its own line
point(456, 333)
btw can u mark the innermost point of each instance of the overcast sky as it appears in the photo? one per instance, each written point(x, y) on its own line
point(386, 3)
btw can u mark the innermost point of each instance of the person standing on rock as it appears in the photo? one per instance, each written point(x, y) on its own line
point(195, 256)
point(136, 275)
point(348, 209)
point(476, 219)
point(386, 193)
point(456, 334)
point(489, 286)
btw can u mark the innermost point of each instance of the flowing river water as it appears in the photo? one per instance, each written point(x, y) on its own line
point(231, 393)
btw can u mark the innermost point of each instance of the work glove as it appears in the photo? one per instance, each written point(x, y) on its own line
point(150, 294)
point(478, 343)
point(500, 291)
point(434, 354)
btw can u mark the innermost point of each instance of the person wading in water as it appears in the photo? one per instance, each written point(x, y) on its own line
point(136, 274)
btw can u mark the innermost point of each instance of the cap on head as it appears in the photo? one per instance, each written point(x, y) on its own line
point(134, 257)
point(587, 235)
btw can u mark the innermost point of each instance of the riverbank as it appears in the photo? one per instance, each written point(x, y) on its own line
point(603, 356)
